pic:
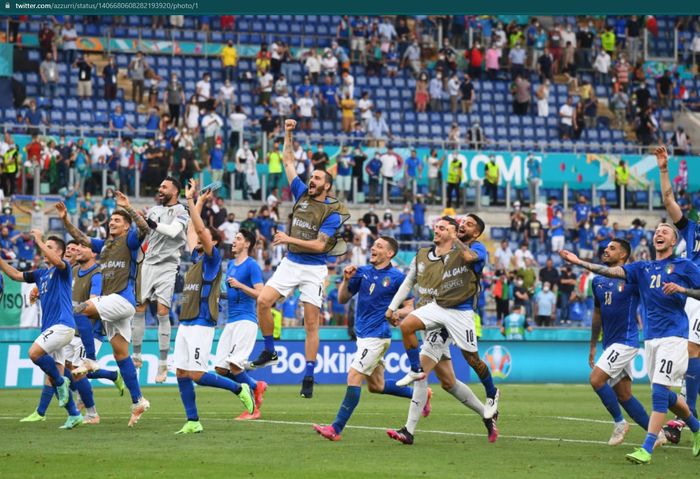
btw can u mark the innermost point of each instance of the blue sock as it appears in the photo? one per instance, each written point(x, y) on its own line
point(487, 381)
point(71, 407)
point(269, 343)
point(243, 377)
point(649, 442)
point(636, 411)
point(609, 399)
point(216, 381)
point(350, 401)
point(45, 399)
point(692, 384)
point(103, 374)
point(48, 365)
point(414, 358)
point(310, 366)
point(186, 387)
point(391, 388)
point(84, 327)
point(126, 366)
point(85, 389)
point(692, 423)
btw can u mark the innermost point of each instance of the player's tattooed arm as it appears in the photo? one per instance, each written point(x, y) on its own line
point(672, 288)
point(470, 255)
point(77, 235)
point(669, 199)
point(141, 224)
point(315, 246)
point(610, 272)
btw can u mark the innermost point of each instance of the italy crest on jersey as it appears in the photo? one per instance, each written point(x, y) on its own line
point(620, 286)
point(669, 269)
point(386, 282)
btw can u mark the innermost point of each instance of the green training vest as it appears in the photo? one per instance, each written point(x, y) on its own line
point(115, 260)
point(193, 292)
point(451, 284)
point(308, 215)
point(82, 284)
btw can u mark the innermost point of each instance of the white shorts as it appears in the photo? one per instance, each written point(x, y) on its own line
point(616, 361)
point(692, 310)
point(192, 347)
point(158, 283)
point(75, 351)
point(436, 345)
point(557, 243)
point(343, 183)
point(236, 342)
point(116, 313)
point(666, 360)
point(370, 354)
point(308, 278)
point(54, 339)
point(459, 324)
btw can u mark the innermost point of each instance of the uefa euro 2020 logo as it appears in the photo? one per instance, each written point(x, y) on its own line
point(499, 361)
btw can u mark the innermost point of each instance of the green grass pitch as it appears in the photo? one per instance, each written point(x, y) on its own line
point(546, 431)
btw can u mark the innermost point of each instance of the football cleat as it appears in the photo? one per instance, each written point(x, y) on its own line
point(410, 377)
point(696, 444)
point(491, 428)
point(307, 387)
point(327, 431)
point(640, 456)
point(427, 408)
point(672, 430)
point(91, 419)
point(266, 358)
point(191, 427)
point(138, 362)
point(618, 435)
point(33, 417)
point(138, 409)
point(491, 406)
point(72, 421)
point(247, 398)
point(402, 435)
point(259, 392)
point(162, 374)
point(246, 416)
point(88, 366)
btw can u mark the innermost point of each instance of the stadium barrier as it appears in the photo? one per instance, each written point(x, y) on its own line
point(536, 360)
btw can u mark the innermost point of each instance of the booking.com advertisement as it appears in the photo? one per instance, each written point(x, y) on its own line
point(509, 361)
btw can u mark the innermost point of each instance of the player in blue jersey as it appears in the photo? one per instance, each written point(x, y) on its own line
point(375, 284)
point(115, 306)
point(198, 317)
point(57, 323)
point(615, 312)
point(664, 285)
point(690, 232)
point(243, 285)
point(312, 236)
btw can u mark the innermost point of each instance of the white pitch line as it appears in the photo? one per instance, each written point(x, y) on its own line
point(578, 419)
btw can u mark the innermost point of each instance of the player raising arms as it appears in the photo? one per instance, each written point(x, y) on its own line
point(615, 312)
point(200, 312)
point(57, 323)
point(316, 218)
point(664, 285)
point(690, 232)
point(243, 285)
point(115, 305)
point(168, 224)
point(375, 284)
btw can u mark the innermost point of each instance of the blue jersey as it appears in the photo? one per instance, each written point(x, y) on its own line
point(478, 267)
point(556, 228)
point(690, 232)
point(330, 226)
point(375, 289)
point(605, 232)
point(618, 302)
point(582, 211)
point(635, 236)
point(25, 249)
point(55, 294)
point(289, 307)
point(210, 268)
point(665, 315)
point(240, 305)
point(585, 238)
point(134, 243)
point(600, 213)
point(337, 306)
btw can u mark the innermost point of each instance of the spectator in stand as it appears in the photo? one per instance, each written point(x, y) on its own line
point(600, 213)
point(406, 228)
point(373, 169)
point(601, 67)
point(664, 89)
point(212, 126)
point(421, 97)
point(262, 60)
point(434, 175)
point(619, 104)
point(118, 121)
point(358, 159)
point(455, 175)
point(521, 297)
point(557, 231)
point(412, 58)
point(274, 165)
point(503, 257)
point(523, 256)
point(534, 234)
point(413, 168)
point(391, 166)
point(533, 167)
point(268, 124)
point(365, 106)
point(245, 157)
point(435, 88)
point(467, 94)
point(34, 119)
point(567, 119)
point(586, 237)
point(46, 37)
point(516, 60)
point(329, 64)
point(607, 41)
point(137, 72)
point(85, 67)
point(603, 237)
point(579, 121)
point(453, 90)
point(521, 95)
point(582, 211)
point(320, 159)
point(555, 47)
point(585, 40)
point(475, 136)
point(622, 73)
point(549, 274)
point(492, 59)
point(312, 64)
point(305, 111)
point(265, 84)
point(545, 306)
point(492, 177)
point(216, 160)
point(329, 100)
point(622, 178)
point(70, 46)
point(387, 225)
point(680, 142)
point(517, 223)
point(347, 106)
point(377, 130)
point(542, 95)
point(567, 282)
point(203, 90)
point(545, 65)
point(280, 84)
point(48, 71)
point(110, 74)
point(284, 104)
point(454, 137)
point(475, 58)
point(358, 27)
point(175, 98)
point(344, 167)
